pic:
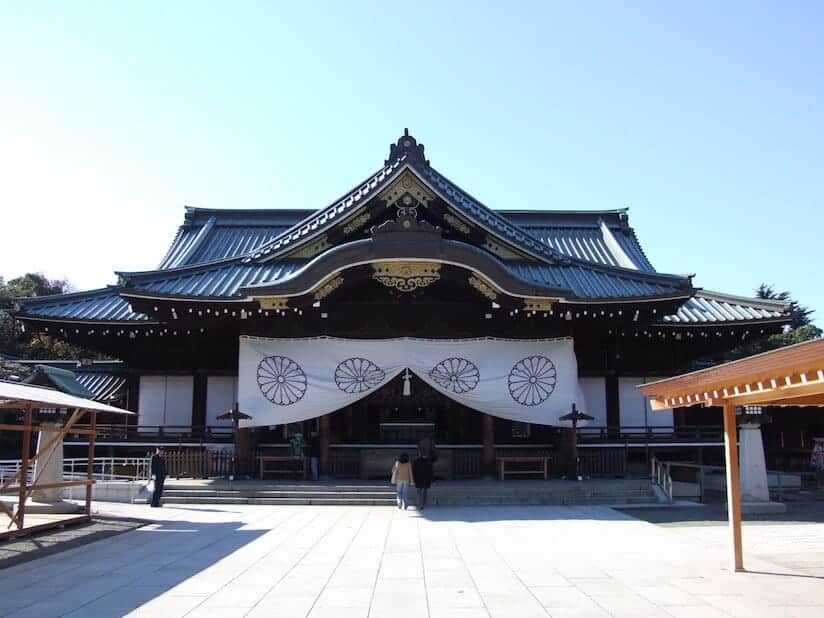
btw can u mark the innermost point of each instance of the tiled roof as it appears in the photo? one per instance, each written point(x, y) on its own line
point(595, 255)
point(575, 234)
point(332, 213)
point(221, 280)
point(104, 305)
point(62, 379)
point(105, 387)
point(209, 235)
point(598, 283)
point(714, 308)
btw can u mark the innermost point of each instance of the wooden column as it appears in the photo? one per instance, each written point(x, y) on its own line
point(199, 394)
point(24, 467)
point(243, 451)
point(489, 444)
point(613, 401)
point(733, 484)
point(324, 438)
point(90, 463)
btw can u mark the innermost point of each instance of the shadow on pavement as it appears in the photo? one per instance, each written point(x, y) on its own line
point(716, 514)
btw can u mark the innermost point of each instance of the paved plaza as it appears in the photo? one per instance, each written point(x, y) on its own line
point(457, 562)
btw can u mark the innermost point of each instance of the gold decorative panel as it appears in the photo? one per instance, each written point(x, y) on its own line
point(273, 302)
point(538, 304)
point(500, 250)
point(407, 183)
point(459, 225)
point(312, 249)
point(483, 287)
point(327, 288)
point(356, 223)
point(406, 276)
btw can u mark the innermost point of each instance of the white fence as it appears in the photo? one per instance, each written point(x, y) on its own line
point(103, 469)
point(10, 467)
point(109, 468)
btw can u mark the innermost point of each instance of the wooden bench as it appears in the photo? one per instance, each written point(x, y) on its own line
point(539, 466)
point(285, 465)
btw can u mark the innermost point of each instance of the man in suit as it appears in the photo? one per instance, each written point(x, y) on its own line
point(314, 454)
point(424, 473)
point(159, 475)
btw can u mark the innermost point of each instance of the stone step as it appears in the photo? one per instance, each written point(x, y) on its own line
point(282, 500)
point(176, 493)
point(387, 499)
point(488, 501)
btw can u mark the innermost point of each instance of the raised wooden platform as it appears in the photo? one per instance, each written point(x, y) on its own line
point(37, 522)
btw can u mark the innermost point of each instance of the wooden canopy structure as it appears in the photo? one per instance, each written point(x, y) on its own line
point(791, 376)
point(28, 398)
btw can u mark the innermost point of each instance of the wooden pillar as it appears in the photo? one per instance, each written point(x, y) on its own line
point(243, 451)
point(324, 438)
point(132, 393)
point(489, 445)
point(613, 405)
point(733, 484)
point(90, 463)
point(24, 467)
point(199, 394)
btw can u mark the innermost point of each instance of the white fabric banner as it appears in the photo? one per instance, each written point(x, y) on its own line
point(288, 380)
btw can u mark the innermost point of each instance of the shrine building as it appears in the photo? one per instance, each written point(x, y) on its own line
point(406, 308)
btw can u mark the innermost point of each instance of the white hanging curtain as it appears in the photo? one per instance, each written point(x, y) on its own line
point(288, 380)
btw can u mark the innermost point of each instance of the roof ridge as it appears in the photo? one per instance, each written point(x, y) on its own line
point(749, 300)
point(537, 247)
point(390, 168)
point(130, 276)
point(39, 300)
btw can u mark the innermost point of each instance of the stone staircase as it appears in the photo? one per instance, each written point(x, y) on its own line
point(618, 492)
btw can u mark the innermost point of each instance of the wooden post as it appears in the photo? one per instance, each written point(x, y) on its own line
point(733, 485)
point(90, 462)
point(324, 439)
point(489, 444)
point(24, 467)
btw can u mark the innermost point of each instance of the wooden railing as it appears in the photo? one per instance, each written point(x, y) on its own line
point(661, 475)
point(182, 434)
point(592, 434)
point(467, 462)
point(198, 463)
point(665, 473)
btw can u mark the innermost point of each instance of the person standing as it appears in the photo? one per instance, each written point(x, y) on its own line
point(423, 471)
point(159, 476)
point(402, 477)
point(314, 453)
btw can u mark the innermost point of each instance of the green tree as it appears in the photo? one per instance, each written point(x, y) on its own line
point(13, 341)
point(799, 329)
point(32, 284)
point(801, 316)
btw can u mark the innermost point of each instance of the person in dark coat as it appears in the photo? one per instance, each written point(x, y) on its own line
point(422, 470)
point(314, 454)
point(159, 475)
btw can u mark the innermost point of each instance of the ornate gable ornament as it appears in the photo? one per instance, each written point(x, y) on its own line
point(407, 192)
point(406, 146)
point(406, 276)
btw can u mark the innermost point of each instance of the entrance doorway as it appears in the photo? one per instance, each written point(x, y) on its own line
point(387, 416)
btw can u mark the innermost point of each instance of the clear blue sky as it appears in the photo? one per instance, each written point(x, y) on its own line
point(705, 120)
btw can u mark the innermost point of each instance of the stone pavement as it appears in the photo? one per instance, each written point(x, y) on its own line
point(458, 562)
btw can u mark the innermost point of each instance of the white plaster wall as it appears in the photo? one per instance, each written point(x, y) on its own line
point(221, 395)
point(151, 408)
point(635, 410)
point(165, 400)
point(595, 400)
